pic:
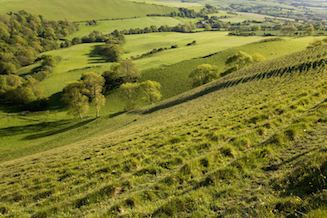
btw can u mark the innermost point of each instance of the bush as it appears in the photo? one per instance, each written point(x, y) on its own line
point(110, 52)
point(203, 74)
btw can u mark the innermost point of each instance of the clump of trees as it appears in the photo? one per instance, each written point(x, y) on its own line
point(20, 91)
point(46, 67)
point(92, 88)
point(240, 60)
point(120, 73)
point(204, 74)
point(23, 36)
point(88, 90)
point(147, 92)
point(110, 52)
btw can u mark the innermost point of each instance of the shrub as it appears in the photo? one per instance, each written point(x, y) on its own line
point(203, 74)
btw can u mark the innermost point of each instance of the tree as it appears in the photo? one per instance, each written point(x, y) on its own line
point(203, 74)
point(7, 68)
point(207, 27)
point(27, 93)
point(309, 29)
point(93, 87)
point(288, 29)
point(239, 60)
point(78, 103)
point(151, 91)
point(110, 52)
point(120, 73)
point(130, 92)
point(9, 83)
point(147, 92)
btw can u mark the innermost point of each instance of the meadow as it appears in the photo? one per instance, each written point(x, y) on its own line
point(107, 26)
point(251, 143)
point(77, 59)
point(257, 143)
point(83, 10)
point(173, 78)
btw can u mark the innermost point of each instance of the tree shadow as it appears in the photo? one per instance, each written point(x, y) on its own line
point(95, 57)
point(43, 129)
point(58, 131)
point(25, 129)
point(116, 114)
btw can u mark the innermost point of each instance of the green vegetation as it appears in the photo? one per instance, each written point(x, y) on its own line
point(83, 10)
point(108, 26)
point(137, 109)
point(256, 137)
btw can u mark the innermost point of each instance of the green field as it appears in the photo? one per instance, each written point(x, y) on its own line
point(258, 142)
point(250, 143)
point(76, 59)
point(107, 26)
point(173, 3)
point(174, 83)
point(82, 10)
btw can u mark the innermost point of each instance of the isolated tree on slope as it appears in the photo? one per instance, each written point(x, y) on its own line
point(203, 74)
point(240, 60)
point(151, 91)
point(93, 87)
point(78, 103)
point(146, 92)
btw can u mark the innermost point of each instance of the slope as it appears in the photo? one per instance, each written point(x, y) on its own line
point(250, 146)
point(82, 10)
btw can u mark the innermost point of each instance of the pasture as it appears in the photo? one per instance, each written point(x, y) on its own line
point(83, 10)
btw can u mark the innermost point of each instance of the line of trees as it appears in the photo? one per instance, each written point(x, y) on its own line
point(190, 13)
point(181, 28)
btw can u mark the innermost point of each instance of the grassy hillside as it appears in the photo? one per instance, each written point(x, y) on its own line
point(174, 83)
point(77, 59)
point(247, 146)
point(107, 26)
point(82, 10)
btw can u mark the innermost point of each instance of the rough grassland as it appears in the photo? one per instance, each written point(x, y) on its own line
point(82, 10)
point(250, 148)
point(41, 130)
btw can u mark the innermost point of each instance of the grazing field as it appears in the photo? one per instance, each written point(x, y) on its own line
point(206, 43)
point(250, 146)
point(77, 59)
point(175, 114)
point(173, 3)
point(107, 26)
point(175, 78)
point(82, 10)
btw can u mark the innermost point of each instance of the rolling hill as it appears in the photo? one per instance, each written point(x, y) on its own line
point(248, 143)
point(82, 10)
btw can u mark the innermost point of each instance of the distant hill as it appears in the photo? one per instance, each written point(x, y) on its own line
point(80, 10)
